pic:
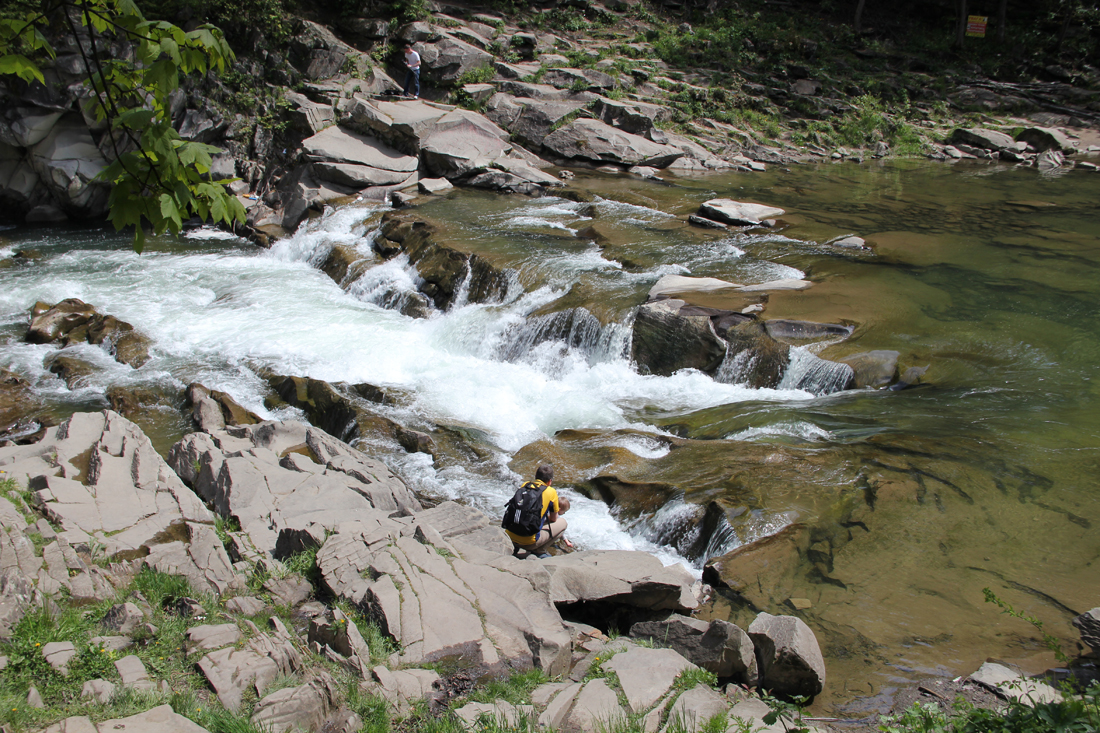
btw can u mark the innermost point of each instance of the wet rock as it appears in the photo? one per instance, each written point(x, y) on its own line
point(737, 213)
point(598, 142)
point(74, 371)
point(1088, 624)
point(717, 646)
point(678, 284)
point(212, 410)
point(982, 138)
point(765, 571)
point(873, 369)
point(74, 321)
point(911, 377)
point(754, 357)
point(1050, 159)
point(1012, 685)
point(803, 331)
point(1046, 138)
point(18, 404)
point(668, 338)
point(789, 656)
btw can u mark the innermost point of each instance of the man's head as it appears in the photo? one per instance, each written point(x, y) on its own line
point(408, 48)
point(545, 474)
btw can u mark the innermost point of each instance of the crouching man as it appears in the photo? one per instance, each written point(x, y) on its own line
point(533, 518)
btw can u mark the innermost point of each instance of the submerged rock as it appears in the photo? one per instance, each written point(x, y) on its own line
point(873, 368)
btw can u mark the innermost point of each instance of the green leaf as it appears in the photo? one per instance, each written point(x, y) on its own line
point(139, 239)
point(18, 65)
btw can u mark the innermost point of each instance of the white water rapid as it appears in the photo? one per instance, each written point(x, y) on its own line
point(217, 309)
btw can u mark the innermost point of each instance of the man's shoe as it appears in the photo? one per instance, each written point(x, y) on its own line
point(543, 555)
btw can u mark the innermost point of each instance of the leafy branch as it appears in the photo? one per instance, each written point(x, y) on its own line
point(1049, 640)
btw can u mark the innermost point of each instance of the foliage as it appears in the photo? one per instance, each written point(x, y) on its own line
point(239, 19)
point(694, 676)
point(788, 714)
point(1048, 640)
point(516, 689)
point(409, 11)
point(157, 178)
point(480, 75)
point(1074, 714)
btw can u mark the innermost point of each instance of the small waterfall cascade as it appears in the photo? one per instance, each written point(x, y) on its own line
point(815, 375)
point(576, 329)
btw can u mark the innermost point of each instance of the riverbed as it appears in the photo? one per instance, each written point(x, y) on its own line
point(983, 475)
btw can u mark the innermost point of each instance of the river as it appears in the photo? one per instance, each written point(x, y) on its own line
point(986, 475)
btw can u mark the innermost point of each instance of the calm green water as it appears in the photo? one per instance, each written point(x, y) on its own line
point(913, 501)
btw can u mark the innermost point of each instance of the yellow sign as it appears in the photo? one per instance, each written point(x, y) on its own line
point(975, 25)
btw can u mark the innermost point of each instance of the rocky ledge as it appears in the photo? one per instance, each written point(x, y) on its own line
point(434, 588)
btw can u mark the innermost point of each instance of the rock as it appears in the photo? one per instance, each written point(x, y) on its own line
point(402, 688)
point(501, 713)
point(633, 579)
point(207, 637)
point(850, 243)
point(1046, 138)
point(1051, 159)
point(434, 185)
point(99, 690)
point(160, 719)
point(461, 148)
point(245, 605)
point(58, 654)
point(502, 615)
point(133, 674)
point(718, 646)
point(289, 591)
point(596, 708)
point(338, 145)
point(784, 284)
point(646, 674)
point(669, 337)
point(788, 654)
point(737, 213)
point(309, 115)
point(68, 163)
point(1088, 624)
point(1012, 685)
point(212, 410)
point(873, 369)
point(677, 284)
point(806, 87)
point(981, 138)
point(695, 707)
point(74, 321)
point(304, 707)
point(802, 331)
point(952, 152)
point(705, 223)
point(17, 596)
point(124, 618)
point(277, 506)
point(232, 671)
point(556, 698)
point(598, 142)
point(34, 698)
point(448, 59)
point(76, 373)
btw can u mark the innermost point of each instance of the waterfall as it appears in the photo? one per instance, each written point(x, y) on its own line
point(575, 329)
point(813, 374)
point(736, 368)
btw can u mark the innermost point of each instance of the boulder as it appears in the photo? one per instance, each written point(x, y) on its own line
point(17, 596)
point(622, 577)
point(287, 483)
point(129, 497)
point(873, 369)
point(1088, 624)
point(982, 138)
point(309, 115)
point(212, 410)
point(754, 358)
point(460, 148)
point(788, 654)
point(68, 162)
point(73, 321)
point(1012, 685)
point(598, 142)
point(19, 405)
point(486, 607)
point(341, 146)
point(639, 118)
point(402, 688)
point(737, 213)
point(717, 646)
point(530, 120)
point(132, 673)
point(667, 337)
point(445, 61)
point(212, 636)
point(434, 185)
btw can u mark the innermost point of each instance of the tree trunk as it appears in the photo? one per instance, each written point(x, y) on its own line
point(859, 16)
point(1002, 20)
point(962, 24)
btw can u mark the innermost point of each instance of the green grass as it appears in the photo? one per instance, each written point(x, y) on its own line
point(1075, 714)
point(516, 689)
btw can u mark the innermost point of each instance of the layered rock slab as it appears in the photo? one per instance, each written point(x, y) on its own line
point(287, 483)
point(99, 477)
point(624, 577)
point(598, 142)
point(446, 599)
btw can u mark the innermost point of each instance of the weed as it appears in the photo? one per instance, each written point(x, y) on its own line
point(515, 689)
point(1048, 640)
point(480, 75)
point(693, 677)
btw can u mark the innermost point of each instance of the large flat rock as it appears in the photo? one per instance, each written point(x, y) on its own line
point(738, 213)
point(340, 145)
point(620, 576)
point(599, 142)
